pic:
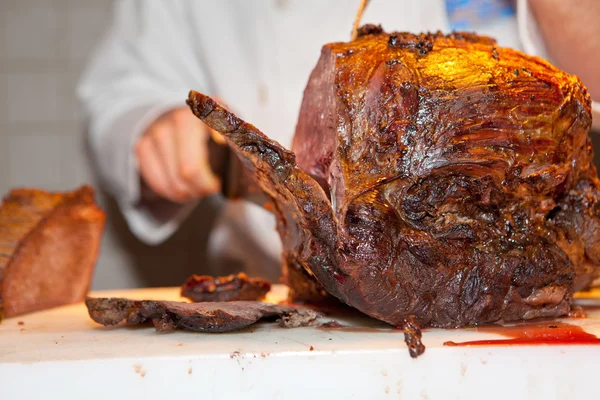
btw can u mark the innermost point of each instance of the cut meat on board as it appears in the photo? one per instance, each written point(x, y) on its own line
point(199, 317)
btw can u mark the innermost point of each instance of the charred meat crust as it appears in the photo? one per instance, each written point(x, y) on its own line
point(226, 288)
point(303, 288)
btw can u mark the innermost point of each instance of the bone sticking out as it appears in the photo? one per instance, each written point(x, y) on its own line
point(361, 9)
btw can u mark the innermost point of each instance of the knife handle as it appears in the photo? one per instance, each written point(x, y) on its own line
point(226, 165)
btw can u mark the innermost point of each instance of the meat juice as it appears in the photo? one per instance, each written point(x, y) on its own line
point(549, 333)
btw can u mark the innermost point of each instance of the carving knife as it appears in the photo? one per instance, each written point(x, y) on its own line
point(237, 183)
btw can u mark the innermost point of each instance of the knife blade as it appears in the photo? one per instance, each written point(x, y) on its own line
point(236, 181)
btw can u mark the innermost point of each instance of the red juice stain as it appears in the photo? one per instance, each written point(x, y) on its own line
point(553, 333)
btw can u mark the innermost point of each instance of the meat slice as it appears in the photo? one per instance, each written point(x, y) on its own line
point(434, 179)
point(305, 219)
point(226, 288)
point(49, 243)
point(198, 317)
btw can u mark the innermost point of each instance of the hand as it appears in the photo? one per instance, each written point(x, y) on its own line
point(570, 30)
point(173, 157)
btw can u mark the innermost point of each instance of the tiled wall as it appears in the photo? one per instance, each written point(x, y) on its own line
point(44, 45)
point(43, 48)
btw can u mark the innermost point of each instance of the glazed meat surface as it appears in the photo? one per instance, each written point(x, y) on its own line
point(437, 177)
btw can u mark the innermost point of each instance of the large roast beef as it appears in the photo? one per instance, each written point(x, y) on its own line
point(438, 178)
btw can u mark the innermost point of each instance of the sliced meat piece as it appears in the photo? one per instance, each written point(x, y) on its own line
point(49, 243)
point(305, 219)
point(226, 288)
point(198, 317)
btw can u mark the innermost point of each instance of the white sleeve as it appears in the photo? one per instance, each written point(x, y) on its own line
point(533, 43)
point(145, 66)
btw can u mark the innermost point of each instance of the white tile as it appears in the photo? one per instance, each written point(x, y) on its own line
point(69, 108)
point(105, 4)
point(29, 97)
point(35, 127)
point(76, 168)
point(4, 181)
point(5, 130)
point(34, 160)
point(114, 269)
point(29, 33)
point(21, 4)
point(85, 27)
point(52, 155)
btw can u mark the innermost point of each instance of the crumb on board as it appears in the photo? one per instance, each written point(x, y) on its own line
point(139, 369)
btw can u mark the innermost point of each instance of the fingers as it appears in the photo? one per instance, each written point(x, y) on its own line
point(191, 137)
point(151, 169)
point(173, 159)
point(165, 144)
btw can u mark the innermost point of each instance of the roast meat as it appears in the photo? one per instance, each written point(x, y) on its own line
point(437, 179)
point(49, 243)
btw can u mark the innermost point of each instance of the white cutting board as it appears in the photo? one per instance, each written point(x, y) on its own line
point(62, 354)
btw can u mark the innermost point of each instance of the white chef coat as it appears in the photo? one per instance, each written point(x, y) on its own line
point(257, 56)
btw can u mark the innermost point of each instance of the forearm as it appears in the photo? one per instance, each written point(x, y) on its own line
point(571, 31)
